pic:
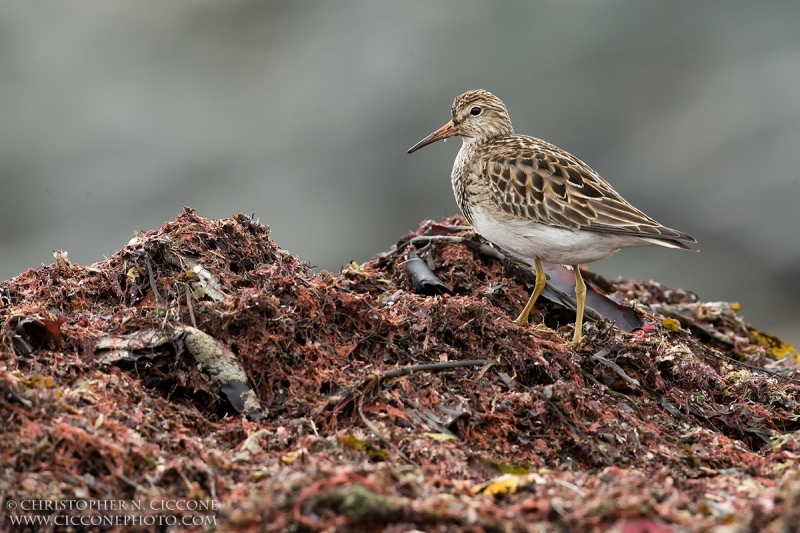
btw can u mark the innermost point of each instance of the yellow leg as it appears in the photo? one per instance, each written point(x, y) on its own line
point(541, 279)
point(580, 297)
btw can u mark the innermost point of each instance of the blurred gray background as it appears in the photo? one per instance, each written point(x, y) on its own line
point(115, 114)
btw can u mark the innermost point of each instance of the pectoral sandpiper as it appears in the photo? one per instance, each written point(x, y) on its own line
point(537, 201)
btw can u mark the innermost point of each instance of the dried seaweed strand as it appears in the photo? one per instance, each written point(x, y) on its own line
point(189, 304)
point(377, 326)
point(434, 367)
point(615, 394)
point(159, 299)
point(600, 356)
point(371, 383)
point(429, 238)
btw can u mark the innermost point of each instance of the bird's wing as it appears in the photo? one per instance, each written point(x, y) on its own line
point(535, 180)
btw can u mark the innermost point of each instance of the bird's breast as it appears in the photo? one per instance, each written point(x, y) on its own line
point(467, 181)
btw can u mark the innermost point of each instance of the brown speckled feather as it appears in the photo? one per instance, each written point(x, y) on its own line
point(535, 180)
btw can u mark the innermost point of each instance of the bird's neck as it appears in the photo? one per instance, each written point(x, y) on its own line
point(474, 141)
point(458, 178)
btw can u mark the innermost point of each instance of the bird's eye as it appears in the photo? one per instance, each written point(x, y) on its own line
point(475, 111)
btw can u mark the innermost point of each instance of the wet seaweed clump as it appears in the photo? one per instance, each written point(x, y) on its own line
point(204, 363)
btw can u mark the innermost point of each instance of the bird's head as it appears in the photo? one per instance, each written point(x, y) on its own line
point(477, 117)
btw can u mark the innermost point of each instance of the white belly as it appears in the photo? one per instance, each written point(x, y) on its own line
point(549, 243)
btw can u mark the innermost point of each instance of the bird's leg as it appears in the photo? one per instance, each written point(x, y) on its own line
point(541, 279)
point(580, 297)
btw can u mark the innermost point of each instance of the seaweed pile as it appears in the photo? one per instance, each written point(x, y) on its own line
point(202, 362)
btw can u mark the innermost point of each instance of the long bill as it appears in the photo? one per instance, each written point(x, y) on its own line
point(448, 130)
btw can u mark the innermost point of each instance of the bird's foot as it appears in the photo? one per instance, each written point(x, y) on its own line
point(576, 339)
point(524, 317)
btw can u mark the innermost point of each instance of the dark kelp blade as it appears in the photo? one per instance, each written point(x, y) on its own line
point(561, 281)
point(423, 279)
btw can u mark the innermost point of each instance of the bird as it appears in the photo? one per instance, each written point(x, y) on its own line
point(537, 201)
